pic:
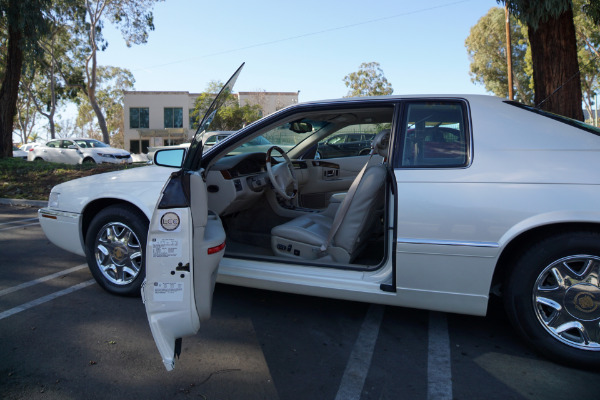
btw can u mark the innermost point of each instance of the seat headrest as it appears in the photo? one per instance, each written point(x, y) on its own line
point(380, 144)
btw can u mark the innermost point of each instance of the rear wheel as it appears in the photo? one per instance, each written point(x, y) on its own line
point(115, 249)
point(552, 297)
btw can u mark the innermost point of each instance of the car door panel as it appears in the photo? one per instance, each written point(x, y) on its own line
point(327, 177)
point(185, 246)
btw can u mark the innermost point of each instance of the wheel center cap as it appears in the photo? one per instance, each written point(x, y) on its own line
point(582, 301)
point(119, 254)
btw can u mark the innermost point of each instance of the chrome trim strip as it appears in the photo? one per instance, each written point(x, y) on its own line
point(56, 213)
point(447, 242)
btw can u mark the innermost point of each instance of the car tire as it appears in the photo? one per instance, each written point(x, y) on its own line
point(116, 247)
point(552, 297)
point(38, 159)
point(88, 161)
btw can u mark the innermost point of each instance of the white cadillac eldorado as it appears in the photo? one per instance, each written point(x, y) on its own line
point(464, 197)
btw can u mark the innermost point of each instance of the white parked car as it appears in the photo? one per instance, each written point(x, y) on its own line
point(28, 146)
point(19, 153)
point(467, 197)
point(79, 151)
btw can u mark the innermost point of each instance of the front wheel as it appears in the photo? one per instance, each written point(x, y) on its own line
point(115, 249)
point(552, 296)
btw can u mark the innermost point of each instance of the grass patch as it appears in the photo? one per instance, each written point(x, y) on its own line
point(20, 179)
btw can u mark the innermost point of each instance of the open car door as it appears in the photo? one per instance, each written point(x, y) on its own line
point(185, 245)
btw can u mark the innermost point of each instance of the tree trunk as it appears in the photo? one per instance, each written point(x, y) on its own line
point(9, 91)
point(99, 115)
point(554, 56)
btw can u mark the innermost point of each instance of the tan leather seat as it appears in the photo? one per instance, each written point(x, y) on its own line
point(307, 236)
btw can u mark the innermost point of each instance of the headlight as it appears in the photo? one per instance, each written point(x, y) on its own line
point(53, 199)
point(106, 155)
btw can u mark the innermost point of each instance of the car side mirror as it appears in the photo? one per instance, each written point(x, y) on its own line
point(72, 146)
point(169, 157)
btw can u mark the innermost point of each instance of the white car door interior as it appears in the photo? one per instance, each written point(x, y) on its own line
point(185, 246)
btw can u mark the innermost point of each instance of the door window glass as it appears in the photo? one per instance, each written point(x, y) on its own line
point(434, 135)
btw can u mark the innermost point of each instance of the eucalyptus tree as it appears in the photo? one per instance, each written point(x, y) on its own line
point(552, 37)
point(231, 116)
point(369, 80)
point(111, 83)
point(56, 76)
point(486, 47)
point(24, 22)
point(135, 20)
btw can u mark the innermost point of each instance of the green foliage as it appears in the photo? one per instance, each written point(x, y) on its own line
point(486, 46)
point(588, 43)
point(20, 179)
point(112, 82)
point(231, 116)
point(532, 12)
point(369, 80)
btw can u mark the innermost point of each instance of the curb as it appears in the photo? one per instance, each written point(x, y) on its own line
point(24, 203)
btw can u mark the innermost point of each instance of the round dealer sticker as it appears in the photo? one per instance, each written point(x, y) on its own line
point(169, 221)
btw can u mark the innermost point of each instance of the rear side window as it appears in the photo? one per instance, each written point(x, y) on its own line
point(556, 117)
point(434, 134)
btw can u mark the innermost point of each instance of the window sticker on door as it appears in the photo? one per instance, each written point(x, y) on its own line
point(168, 291)
point(165, 247)
point(170, 222)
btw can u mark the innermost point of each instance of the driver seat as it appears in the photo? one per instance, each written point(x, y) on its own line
point(308, 236)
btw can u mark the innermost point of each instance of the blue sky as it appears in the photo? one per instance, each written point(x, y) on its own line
point(308, 45)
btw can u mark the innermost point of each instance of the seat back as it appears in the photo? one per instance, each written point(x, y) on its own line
point(361, 219)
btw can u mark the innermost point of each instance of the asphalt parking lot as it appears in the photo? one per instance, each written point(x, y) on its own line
point(65, 338)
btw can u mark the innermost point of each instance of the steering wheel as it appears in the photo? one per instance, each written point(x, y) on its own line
point(282, 175)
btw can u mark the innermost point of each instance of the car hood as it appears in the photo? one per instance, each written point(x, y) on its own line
point(108, 150)
point(140, 186)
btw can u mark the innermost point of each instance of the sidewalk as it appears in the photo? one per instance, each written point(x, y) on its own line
point(23, 203)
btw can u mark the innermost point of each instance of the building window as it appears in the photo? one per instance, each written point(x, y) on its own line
point(173, 117)
point(134, 146)
point(139, 117)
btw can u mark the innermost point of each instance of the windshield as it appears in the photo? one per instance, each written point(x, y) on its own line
point(90, 143)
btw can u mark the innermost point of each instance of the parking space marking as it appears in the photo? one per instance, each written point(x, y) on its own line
point(359, 363)
point(45, 299)
point(19, 226)
point(18, 221)
point(40, 280)
point(439, 368)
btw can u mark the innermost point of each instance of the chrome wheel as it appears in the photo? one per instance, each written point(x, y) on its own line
point(118, 253)
point(566, 299)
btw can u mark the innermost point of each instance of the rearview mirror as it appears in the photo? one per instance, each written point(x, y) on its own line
point(169, 157)
point(301, 127)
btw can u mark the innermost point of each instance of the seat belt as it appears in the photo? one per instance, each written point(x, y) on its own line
point(341, 213)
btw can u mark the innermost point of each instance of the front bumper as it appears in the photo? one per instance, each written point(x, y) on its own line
point(63, 229)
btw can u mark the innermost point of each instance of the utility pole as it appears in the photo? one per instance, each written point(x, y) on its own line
point(509, 53)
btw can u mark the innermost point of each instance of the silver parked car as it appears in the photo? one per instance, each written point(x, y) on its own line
point(463, 198)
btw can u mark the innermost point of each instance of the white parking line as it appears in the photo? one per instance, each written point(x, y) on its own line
point(40, 280)
point(19, 226)
point(17, 221)
point(45, 299)
point(359, 363)
point(439, 368)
